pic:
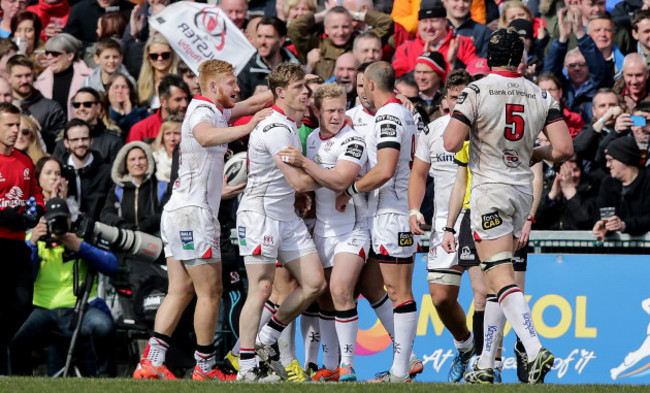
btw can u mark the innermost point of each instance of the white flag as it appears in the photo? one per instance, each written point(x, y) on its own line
point(198, 32)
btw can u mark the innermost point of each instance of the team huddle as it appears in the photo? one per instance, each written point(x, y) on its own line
point(367, 169)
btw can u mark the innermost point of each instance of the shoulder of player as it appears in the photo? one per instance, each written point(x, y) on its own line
point(391, 113)
point(437, 127)
point(348, 135)
point(273, 124)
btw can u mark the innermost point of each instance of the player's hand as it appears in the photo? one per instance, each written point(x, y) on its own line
point(292, 156)
point(414, 223)
point(614, 223)
point(406, 102)
point(342, 202)
point(259, 116)
point(525, 233)
point(599, 230)
point(39, 231)
point(449, 242)
point(229, 192)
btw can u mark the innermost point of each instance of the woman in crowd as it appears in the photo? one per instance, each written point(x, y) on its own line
point(54, 185)
point(29, 140)
point(27, 25)
point(159, 60)
point(65, 71)
point(550, 83)
point(134, 200)
point(168, 137)
point(292, 9)
point(123, 101)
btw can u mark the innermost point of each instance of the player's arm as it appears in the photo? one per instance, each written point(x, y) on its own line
point(455, 206)
point(296, 177)
point(387, 159)
point(252, 105)
point(416, 189)
point(561, 146)
point(336, 179)
point(456, 133)
point(208, 135)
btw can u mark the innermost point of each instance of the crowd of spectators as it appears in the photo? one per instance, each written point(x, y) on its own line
point(102, 95)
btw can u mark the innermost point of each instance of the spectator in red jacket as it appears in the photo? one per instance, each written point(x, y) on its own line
point(53, 14)
point(434, 35)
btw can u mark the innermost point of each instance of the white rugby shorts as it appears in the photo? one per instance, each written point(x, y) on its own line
point(354, 242)
point(259, 235)
point(391, 235)
point(498, 210)
point(190, 232)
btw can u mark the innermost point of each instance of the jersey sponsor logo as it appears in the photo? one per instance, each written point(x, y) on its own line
point(354, 150)
point(511, 158)
point(466, 254)
point(474, 87)
point(13, 198)
point(187, 238)
point(491, 220)
point(442, 157)
point(392, 118)
point(388, 131)
point(275, 125)
point(241, 231)
point(404, 239)
point(328, 145)
point(353, 138)
point(26, 174)
point(268, 241)
point(513, 85)
point(461, 98)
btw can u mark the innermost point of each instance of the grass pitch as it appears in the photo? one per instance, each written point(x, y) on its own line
point(71, 385)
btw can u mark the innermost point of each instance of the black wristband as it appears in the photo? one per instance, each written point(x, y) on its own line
point(449, 229)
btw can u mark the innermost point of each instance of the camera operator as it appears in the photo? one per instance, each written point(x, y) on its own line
point(17, 184)
point(55, 251)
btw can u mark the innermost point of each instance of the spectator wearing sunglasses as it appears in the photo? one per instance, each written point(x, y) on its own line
point(48, 113)
point(29, 139)
point(88, 107)
point(159, 60)
point(65, 72)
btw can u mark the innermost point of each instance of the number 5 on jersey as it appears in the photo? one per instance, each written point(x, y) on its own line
point(514, 129)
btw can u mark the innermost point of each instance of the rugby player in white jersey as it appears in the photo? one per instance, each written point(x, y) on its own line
point(269, 229)
point(503, 113)
point(444, 270)
point(189, 227)
point(336, 154)
point(391, 145)
point(371, 282)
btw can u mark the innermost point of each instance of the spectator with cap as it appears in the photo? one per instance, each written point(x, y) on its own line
point(534, 47)
point(430, 75)
point(585, 66)
point(626, 189)
point(434, 34)
point(319, 53)
point(458, 15)
point(57, 259)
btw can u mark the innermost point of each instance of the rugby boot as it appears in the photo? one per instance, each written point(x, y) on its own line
point(540, 366)
point(146, 370)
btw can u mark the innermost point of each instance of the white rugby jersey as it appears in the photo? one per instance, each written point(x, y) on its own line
point(505, 113)
point(267, 191)
point(362, 120)
point(346, 145)
point(431, 150)
point(200, 169)
point(394, 128)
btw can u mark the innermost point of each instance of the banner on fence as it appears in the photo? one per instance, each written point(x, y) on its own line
point(591, 311)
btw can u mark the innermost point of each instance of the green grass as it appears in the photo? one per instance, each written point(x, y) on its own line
point(71, 385)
